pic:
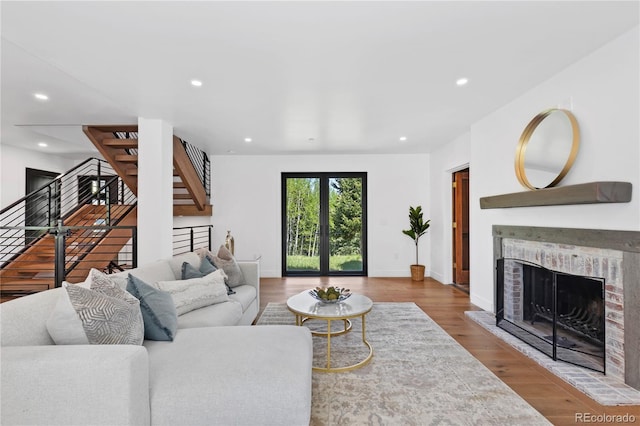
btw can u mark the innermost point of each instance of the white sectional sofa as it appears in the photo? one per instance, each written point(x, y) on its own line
point(218, 370)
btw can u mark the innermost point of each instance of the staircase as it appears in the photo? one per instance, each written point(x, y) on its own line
point(191, 167)
point(83, 219)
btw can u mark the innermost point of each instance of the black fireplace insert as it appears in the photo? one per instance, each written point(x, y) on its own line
point(560, 314)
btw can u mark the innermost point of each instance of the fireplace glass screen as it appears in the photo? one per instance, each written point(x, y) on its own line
point(560, 314)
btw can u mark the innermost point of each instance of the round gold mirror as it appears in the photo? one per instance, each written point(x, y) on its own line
point(547, 148)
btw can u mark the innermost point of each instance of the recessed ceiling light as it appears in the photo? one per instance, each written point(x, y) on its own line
point(196, 83)
point(41, 96)
point(403, 138)
point(231, 151)
point(462, 81)
point(311, 140)
point(42, 144)
point(247, 140)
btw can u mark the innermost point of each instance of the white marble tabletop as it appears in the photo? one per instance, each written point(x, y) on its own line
point(306, 305)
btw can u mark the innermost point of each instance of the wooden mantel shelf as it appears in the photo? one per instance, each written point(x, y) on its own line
point(584, 193)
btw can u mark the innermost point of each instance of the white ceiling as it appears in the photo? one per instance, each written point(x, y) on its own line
point(353, 76)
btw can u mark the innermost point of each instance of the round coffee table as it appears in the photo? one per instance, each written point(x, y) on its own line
point(306, 307)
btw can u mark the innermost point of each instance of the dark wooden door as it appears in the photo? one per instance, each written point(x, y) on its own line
point(42, 207)
point(461, 227)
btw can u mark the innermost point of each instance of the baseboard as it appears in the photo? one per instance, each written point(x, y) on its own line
point(481, 302)
point(438, 277)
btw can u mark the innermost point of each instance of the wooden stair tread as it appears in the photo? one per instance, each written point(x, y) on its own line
point(126, 158)
point(120, 143)
point(14, 280)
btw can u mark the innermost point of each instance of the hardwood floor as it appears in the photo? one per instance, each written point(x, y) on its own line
point(551, 396)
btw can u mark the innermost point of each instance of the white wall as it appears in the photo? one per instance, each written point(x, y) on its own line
point(14, 161)
point(443, 162)
point(604, 91)
point(246, 197)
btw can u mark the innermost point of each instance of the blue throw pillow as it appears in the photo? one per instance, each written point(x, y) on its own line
point(207, 266)
point(189, 271)
point(158, 310)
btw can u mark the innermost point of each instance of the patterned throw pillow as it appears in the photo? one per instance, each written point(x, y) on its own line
point(158, 311)
point(225, 261)
point(196, 293)
point(102, 314)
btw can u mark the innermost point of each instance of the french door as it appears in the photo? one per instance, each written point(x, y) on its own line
point(324, 224)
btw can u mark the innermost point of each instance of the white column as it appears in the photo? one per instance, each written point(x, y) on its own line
point(155, 190)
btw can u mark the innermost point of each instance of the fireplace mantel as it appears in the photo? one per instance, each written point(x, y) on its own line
point(584, 193)
point(626, 241)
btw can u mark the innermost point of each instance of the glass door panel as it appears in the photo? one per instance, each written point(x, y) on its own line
point(302, 225)
point(345, 224)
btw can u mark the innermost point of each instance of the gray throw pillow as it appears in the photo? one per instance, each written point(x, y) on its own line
point(225, 261)
point(158, 310)
point(107, 319)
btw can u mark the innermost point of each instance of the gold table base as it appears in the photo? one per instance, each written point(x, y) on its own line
point(300, 320)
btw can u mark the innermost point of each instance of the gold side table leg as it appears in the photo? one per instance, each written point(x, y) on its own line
point(364, 328)
point(328, 344)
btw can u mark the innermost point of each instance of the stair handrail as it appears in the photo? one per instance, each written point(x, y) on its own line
point(201, 164)
point(56, 179)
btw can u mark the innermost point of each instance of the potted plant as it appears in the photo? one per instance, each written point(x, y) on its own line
point(418, 227)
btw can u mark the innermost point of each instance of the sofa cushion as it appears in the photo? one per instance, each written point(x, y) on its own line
point(232, 375)
point(227, 313)
point(196, 292)
point(158, 310)
point(245, 295)
point(153, 272)
point(103, 314)
point(23, 321)
point(225, 261)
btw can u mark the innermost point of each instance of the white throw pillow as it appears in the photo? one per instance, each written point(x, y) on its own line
point(196, 293)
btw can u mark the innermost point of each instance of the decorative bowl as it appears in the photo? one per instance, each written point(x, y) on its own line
point(330, 294)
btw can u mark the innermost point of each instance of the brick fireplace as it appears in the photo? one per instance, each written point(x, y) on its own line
point(600, 256)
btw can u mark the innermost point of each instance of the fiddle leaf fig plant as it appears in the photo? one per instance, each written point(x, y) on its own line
point(418, 227)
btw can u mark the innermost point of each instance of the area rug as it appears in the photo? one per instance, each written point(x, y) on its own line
point(419, 375)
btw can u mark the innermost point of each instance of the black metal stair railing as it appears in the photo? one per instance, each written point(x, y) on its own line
point(83, 207)
point(201, 164)
point(191, 238)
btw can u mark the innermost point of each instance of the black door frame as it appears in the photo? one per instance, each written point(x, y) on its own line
point(324, 178)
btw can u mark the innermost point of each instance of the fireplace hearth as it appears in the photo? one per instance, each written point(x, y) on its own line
point(560, 314)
